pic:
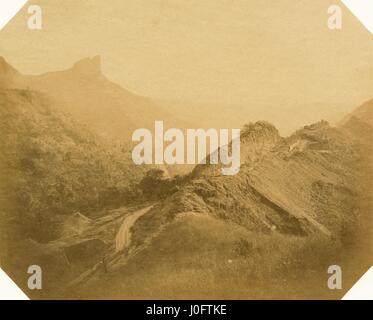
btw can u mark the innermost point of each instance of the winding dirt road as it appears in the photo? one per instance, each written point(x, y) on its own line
point(123, 238)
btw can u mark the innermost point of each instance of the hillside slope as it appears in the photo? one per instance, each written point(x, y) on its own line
point(297, 206)
point(90, 98)
point(284, 185)
point(364, 113)
point(52, 166)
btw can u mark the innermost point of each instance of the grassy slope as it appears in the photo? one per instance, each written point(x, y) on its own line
point(215, 237)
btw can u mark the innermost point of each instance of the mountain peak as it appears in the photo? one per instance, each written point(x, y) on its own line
point(260, 130)
point(91, 66)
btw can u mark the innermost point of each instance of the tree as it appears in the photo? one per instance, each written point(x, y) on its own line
point(155, 184)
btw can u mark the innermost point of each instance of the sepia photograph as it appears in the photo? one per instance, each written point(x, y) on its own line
point(186, 150)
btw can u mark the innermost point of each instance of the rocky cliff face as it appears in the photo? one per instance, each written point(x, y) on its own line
point(299, 185)
point(297, 205)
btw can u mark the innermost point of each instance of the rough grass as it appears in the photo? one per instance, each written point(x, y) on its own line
point(200, 257)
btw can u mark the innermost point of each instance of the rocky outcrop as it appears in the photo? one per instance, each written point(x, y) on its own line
point(285, 185)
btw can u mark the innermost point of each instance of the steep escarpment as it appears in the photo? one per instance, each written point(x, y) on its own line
point(300, 185)
point(297, 206)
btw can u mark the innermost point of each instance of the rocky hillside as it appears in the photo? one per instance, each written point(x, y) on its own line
point(299, 186)
point(297, 206)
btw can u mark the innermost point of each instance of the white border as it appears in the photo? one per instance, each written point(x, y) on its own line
point(363, 289)
point(9, 290)
point(363, 11)
point(8, 9)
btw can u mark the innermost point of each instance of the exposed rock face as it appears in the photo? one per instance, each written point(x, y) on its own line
point(292, 198)
point(300, 185)
point(297, 204)
point(260, 134)
point(257, 139)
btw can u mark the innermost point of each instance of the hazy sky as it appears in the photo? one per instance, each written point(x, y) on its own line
point(266, 53)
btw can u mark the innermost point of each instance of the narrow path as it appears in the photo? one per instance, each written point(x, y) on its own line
point(123, 238)
point(122, 241)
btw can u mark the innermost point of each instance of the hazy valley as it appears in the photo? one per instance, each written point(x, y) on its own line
point(73, 201)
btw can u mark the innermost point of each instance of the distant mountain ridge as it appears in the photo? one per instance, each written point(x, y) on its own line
point(90, 98)
point(364, 113)
point(292, 210)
